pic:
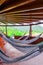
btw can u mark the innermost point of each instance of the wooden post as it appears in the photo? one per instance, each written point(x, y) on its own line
point(6, 24)
point(6, 29)
point(30, 32)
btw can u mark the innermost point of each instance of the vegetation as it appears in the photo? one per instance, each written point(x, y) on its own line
point(18, 31)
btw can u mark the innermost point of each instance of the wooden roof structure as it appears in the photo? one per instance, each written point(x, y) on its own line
point(24, 11)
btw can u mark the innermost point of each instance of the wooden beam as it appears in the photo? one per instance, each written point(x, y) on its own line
point(21, 24)
point(21, 4)
point(21, 14)
point(26, 10)
point(6, 29)
point(2, 1)
point(30, 31)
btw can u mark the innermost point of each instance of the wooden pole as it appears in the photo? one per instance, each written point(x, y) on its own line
point(30, 31)
point(6, 30)
point(6, 24)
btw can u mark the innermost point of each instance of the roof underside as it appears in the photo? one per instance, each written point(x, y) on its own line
point(12, 11)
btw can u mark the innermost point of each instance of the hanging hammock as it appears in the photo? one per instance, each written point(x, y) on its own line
point(26, 56)
point(21, 58)
point(23, 48)
point(22, 41)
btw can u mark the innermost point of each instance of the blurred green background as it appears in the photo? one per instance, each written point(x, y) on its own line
point(21, 30)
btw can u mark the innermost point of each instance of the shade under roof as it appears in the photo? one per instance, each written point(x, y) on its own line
point(13, 11)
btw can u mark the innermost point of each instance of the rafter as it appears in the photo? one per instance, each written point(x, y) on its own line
point(28, 10)
point(2, 1)
point(21, 4)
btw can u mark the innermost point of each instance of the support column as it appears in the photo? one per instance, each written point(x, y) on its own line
point(6, 23)
point(30, 32)
point(6, 30)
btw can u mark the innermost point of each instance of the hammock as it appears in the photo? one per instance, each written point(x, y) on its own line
point(22, 36)
point(21, 58)
point(34, 52)
point(13, 42)
point(26, 41)
point(26, 56)
point(3, 53)
point(20, 47)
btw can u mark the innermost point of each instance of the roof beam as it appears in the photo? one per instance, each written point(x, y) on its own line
point(23, 11)
point(21, 14)
point(21, 4)
point(2, 1)
point(27, 13)
point(27, 10)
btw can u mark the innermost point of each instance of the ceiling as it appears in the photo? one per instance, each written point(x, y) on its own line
point(12, 11)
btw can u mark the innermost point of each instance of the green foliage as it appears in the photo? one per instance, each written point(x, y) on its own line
point(14, 31)
point(11, 31)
